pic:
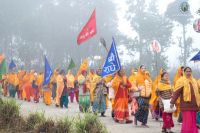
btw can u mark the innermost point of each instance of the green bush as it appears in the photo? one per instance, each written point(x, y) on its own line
point(33, 119)
point(9, 112)
point(64, 125)
point(47, 126)
point(89, 124)
point(11, 121)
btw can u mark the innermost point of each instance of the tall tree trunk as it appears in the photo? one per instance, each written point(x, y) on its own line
point(140, 50)
point(185, 46)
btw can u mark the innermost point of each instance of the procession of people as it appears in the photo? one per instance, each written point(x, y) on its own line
point(90, 89)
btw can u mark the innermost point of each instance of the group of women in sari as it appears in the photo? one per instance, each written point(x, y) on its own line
point(95, 90)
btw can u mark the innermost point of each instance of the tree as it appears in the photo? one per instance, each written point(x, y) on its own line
point(174, 13)
point(54, 24)
point(149, 25)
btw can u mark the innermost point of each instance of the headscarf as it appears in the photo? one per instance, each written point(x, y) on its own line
point(164, 86)
point(184, 83)
point(199, 82)
point(148, 76)
point(140, 78)
point(178, 75)
point(70, 79)
point(116, 82)
point(153, 100)
point(132, 78)
point(108, 78)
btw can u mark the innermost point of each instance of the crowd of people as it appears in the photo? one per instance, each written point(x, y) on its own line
point(164, 99)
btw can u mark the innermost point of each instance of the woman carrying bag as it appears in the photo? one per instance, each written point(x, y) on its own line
point(164, 92)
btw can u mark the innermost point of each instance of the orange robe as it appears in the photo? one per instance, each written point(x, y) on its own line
point(121, 111)
point(47, 95)
point(27, 87)
point(59, 90)
point(91, 85)
point(20, 77)
point(39, 81)
point(70, 80)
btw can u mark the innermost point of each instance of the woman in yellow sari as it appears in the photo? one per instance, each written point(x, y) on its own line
point(121, 85)
point(188, 90)
point(154, 106)
point(144, 85)
point(164, 91)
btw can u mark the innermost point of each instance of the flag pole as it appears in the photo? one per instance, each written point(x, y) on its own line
point(103, 42)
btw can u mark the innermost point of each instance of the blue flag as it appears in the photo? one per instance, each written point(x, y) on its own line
point(196, 57)
point(112, 63)
point(12, 65)
point(48, 72)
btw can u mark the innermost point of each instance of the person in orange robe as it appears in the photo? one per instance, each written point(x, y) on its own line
point(47, 94)
point(178, 75)
point(20, 75)
point(27, 87)
point(60, 87)
point(70, 85)
point(39, 80)
point(31, 81)
point(121, 85)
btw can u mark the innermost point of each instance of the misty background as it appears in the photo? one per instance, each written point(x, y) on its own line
point(30, 29)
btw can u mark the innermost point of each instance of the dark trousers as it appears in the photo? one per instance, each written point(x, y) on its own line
point(64, 101)
point(12, 90)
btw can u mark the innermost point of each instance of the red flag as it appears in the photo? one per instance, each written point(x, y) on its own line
point(89, 30)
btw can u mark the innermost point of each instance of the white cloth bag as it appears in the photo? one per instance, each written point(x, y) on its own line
point(167, 108)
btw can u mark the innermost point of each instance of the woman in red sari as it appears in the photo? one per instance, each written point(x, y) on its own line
point(121, 85)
